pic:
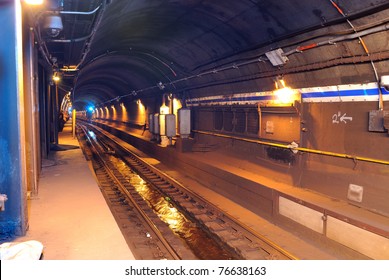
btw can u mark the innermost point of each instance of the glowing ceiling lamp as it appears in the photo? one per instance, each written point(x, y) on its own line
point(34, 2)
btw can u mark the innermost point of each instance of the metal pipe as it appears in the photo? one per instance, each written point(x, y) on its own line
point(307, 150)
point(80, 13)
point(331, 41)
point(69, 40)
point(67, 12)
point(94, 29)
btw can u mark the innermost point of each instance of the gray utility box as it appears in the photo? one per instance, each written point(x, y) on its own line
point(156, 124)
point(170, 125)
point(184, 121)
point(378, 120)
point(151, 123)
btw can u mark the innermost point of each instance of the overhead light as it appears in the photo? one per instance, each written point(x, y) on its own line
point(34, 2)
point(52, 24)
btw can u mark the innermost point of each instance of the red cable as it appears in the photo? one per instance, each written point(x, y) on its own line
point(338, 8)
point(304, 48)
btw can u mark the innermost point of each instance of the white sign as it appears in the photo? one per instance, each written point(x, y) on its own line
point(339, 118)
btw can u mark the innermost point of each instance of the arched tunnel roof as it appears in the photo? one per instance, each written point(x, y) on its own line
point(197, 46)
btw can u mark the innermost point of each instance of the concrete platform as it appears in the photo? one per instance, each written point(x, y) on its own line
point(69, 216)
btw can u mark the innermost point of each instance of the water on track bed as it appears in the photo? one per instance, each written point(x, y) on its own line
point(201, 244)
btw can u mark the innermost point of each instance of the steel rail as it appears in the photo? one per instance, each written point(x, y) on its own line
point(129, 196)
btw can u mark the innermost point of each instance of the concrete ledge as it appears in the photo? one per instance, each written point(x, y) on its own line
point(363, 241)
point(301, 214)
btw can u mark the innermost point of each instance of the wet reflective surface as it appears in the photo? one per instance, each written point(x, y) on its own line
point(202, 245)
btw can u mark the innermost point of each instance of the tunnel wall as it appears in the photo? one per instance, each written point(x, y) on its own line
point(337, 131)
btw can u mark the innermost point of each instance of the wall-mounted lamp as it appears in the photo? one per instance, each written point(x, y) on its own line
point(56, 77)
point(279, 83)
point(284, 94)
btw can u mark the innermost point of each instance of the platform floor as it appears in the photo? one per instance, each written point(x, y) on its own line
point(69, 215)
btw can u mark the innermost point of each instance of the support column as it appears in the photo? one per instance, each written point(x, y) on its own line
point(13, 220)
point(31, 111)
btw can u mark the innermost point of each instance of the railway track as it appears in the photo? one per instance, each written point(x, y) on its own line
point(208, 228)
point(136, 221)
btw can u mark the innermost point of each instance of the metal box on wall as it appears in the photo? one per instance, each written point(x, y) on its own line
point(156, 124)
point(170, 125)
point(376, 120)
point(151, 123)
point(184, 122)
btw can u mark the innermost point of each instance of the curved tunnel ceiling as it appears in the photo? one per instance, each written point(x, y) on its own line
point(134, 45)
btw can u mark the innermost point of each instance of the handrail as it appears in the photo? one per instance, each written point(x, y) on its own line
point(294, 148)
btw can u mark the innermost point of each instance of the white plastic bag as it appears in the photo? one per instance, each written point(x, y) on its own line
point(28, 250)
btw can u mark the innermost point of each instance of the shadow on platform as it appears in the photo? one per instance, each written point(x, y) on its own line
point(62, 147)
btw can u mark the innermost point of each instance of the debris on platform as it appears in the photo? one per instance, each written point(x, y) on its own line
point(28, 250)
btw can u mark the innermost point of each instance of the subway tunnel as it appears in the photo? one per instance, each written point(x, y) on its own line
point(278, 106)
